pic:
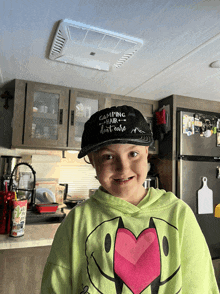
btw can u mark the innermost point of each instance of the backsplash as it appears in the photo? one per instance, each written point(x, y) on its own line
point(50, 165)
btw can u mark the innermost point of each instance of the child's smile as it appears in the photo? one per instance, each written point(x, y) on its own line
point(123, 181)
point(121, 170)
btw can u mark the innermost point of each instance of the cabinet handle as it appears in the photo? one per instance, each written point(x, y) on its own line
point(61, 117)
point(72, 118)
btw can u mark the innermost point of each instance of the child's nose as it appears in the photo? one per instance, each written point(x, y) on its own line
point(122, 164)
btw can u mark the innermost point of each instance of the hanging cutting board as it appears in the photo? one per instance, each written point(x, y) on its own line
point(205, 199)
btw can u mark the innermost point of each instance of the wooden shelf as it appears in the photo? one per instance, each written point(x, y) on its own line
point(43, 115)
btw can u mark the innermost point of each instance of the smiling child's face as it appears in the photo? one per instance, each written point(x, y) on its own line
point(121, 170)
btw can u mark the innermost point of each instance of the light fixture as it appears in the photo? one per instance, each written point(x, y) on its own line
point(72, 151)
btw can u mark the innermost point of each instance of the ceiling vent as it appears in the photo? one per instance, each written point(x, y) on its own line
point(91, 47)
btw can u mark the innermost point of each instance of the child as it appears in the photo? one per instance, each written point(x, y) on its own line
point(126, 239)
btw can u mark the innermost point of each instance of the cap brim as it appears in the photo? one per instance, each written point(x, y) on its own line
point(90, 148)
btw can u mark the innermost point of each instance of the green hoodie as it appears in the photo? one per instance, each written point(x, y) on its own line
point(108, 245)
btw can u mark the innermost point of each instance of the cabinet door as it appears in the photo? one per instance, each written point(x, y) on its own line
point(18, 114)
point(22, 269)
point(143, 106)
point(82, 105)
point(46, 116)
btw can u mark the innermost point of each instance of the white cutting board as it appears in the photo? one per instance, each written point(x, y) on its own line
point(205, 199)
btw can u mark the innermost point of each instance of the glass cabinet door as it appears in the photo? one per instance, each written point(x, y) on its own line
point(85, 107)
point(82, 105)
point(46, 115)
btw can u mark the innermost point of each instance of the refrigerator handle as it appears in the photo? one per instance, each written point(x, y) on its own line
point(180, 181)
point(179, 155)
point(181, 133)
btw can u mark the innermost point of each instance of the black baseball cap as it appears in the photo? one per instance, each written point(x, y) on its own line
point(115, 125)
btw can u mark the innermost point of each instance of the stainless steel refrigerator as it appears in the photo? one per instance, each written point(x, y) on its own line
point(198, 157)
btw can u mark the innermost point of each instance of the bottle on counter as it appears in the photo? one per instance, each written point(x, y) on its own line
point(18, 219)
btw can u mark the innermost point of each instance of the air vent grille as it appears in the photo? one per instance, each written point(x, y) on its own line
point(83, 45)
point(124, 58)
point(58, 44)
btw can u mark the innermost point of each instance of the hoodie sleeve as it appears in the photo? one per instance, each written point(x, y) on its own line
point(197, 269)
point(57, 277)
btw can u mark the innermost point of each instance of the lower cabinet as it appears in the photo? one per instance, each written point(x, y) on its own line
point(21, 269)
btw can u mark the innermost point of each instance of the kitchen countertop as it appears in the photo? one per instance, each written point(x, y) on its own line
point(34, 236)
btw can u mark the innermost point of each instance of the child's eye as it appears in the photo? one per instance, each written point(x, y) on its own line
point(134, 154)
point(107, 157)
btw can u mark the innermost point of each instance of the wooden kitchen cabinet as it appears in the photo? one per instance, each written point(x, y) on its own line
point(49, 116)
point(22, 269)
point(45, 114)
point(145, 107)
point(83, 104)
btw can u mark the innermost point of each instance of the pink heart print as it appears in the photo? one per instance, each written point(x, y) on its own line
point(137, 261)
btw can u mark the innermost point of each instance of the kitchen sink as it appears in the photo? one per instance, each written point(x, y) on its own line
point(34, 218)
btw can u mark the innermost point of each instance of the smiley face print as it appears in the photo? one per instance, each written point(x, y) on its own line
point(120, 262)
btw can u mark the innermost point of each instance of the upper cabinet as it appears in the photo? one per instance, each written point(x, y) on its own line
point(144, 106)
point(49, 116)
point(45, 115)
point(83, 104)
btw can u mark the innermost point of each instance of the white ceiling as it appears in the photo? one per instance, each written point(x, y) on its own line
point(181, 38)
